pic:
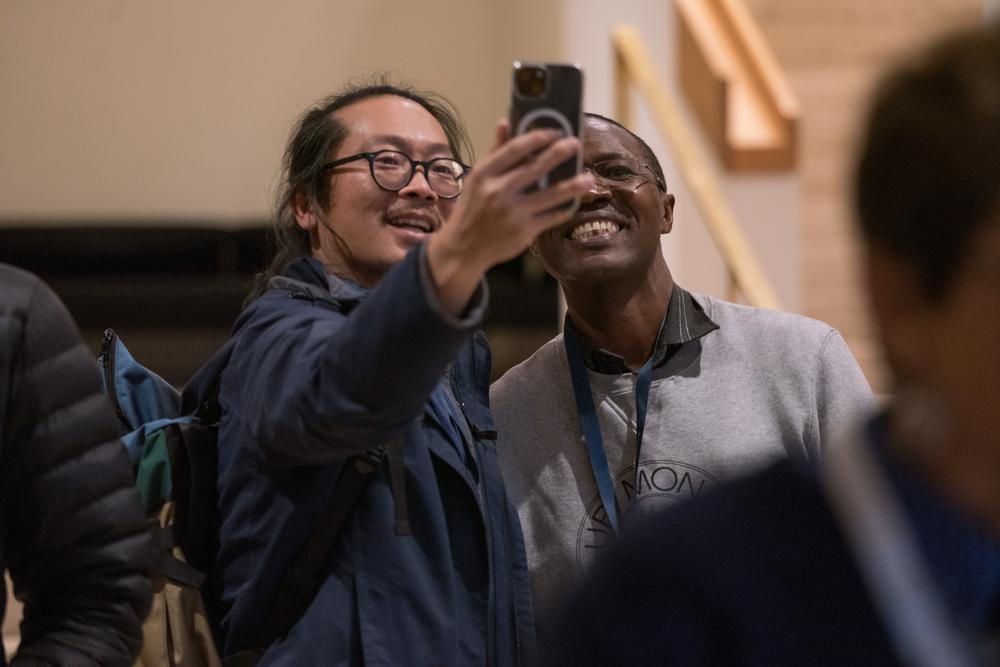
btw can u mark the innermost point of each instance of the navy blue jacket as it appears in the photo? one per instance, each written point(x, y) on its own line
point(321, 369)
point(754, 573)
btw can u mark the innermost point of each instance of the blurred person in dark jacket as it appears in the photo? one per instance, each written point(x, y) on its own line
point(74, 537)
point(888, 551)
point(364, 336)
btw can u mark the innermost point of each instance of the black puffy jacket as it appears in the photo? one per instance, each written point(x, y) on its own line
point(73, 535)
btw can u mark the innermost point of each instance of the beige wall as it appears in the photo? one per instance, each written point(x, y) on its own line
point(180, 109)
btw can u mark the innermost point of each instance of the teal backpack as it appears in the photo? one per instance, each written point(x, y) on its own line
point(173, 447)
point(174, 457)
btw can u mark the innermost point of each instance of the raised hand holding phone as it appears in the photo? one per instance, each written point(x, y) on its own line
point(531, 181)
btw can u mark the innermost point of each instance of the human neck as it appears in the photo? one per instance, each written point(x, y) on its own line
point(961, 461)
point(338, 266)
point(620, 317)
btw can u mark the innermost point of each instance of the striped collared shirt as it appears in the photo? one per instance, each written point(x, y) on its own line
point(684, 322)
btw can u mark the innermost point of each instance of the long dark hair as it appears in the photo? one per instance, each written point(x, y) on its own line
point(317, 135)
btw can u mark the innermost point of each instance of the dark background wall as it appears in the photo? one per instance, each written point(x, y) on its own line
point(172, 291)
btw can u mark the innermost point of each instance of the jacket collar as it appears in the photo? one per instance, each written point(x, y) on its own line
point(306, 276)
point(684, 322)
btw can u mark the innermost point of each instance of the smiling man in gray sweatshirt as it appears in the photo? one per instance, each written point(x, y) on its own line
point(653, 394)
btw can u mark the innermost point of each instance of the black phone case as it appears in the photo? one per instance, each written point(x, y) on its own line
point(558, 107)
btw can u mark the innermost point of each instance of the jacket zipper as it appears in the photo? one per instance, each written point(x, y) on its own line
point(110, 386)
point(515, 619)
point(491, 602)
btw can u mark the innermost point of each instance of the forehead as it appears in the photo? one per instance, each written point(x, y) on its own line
point(603, 140)
point(392, 120)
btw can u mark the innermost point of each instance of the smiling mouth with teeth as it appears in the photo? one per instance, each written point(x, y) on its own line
point(589, 230)
point(413, 223)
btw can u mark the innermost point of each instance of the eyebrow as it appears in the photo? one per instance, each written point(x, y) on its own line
point(405, 144)
point(607, 155)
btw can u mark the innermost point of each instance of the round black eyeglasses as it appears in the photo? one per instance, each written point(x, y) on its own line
point(393, 171)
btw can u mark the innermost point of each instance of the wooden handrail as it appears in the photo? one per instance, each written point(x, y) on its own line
point(634, 66)
point(734, 85)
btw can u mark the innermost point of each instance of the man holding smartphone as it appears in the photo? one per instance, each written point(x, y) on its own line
point(362, 334)
point(652, 395)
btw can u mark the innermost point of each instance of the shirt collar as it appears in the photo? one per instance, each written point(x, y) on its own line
point(684, 322)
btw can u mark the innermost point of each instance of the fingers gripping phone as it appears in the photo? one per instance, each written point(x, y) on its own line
point(548, 95)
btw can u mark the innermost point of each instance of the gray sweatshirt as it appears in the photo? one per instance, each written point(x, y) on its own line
point(764, 385)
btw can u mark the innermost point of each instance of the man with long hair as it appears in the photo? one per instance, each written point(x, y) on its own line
point(363, 335)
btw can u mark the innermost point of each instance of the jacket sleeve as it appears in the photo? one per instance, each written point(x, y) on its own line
point(77, 545)
point(315, 385)
point(843, 395)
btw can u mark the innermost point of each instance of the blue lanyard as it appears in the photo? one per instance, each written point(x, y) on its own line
point(591, 427)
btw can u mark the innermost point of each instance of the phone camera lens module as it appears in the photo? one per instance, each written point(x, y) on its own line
point(532, 81)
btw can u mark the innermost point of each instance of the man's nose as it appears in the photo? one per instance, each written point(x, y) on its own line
point(596, 196)
point(419, 186)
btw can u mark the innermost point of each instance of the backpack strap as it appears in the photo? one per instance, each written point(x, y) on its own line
point(302, 579)
point(170, 566)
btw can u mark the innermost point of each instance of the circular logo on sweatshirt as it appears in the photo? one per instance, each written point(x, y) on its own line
point(658, 485)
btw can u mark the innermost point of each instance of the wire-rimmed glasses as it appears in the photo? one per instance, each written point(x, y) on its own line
point(624, 174)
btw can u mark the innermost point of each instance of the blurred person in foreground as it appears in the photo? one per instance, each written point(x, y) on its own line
point(653, 394)
point(888, 552)
point(74, 537)
point(364, 336)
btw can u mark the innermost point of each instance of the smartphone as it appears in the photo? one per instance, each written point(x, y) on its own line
point(548, 95)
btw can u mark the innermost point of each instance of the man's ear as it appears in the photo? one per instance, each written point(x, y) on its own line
point(305, 211)
point(668, 214)
point(533, 248)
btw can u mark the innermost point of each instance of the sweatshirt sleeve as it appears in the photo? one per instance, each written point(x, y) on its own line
point(843, 395)
point(77, 545)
